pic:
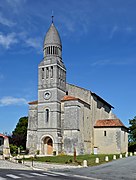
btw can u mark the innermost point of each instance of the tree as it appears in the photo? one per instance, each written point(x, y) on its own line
point(19, 134)
point(132, 135)
point(132, 130)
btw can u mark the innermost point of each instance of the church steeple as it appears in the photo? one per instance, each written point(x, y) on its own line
point(52, 71)
point(52, 42)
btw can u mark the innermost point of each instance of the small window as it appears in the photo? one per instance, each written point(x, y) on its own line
point(42, 73)
point(66, 92)
point(51, 71)
point(105, 133)
point(47, 72)
point(47, 115)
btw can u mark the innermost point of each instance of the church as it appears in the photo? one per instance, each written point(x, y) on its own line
point(67, 117)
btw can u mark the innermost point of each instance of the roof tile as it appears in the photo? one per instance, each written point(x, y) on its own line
point(109, 123)
point(2, 135)
point(33, 102)
point(69, 98)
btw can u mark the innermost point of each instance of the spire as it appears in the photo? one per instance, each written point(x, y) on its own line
point(52, 36)
point(52, 42)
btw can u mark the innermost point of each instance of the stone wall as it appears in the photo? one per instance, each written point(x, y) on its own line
point(4, 146)
point(110, 140)
point(77, 129)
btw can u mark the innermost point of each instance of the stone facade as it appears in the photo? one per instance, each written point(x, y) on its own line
point(4, 146)
point(111, 134)
point(64, 116)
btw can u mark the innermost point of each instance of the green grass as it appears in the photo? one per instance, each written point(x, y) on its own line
point(65, 159)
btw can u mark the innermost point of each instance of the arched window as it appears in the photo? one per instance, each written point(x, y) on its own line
point(47, 115)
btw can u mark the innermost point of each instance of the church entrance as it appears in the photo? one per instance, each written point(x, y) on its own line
point(48, 146)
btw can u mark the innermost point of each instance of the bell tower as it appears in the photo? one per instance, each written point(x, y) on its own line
point(51, 89)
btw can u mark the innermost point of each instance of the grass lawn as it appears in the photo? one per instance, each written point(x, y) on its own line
point(65, 159)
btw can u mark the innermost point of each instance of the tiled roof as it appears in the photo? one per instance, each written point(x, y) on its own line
point(33, 102)
point(1, 135)
point(109, 123)
point(69, 98)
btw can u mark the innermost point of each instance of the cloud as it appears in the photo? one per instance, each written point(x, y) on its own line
point(107, 62)
point(15, 5)
point(15, 2)
point(130, 29)
point(8, 100)
point(5, 21)
point(101, 63)
point(35, 43)
point(7, 40)
point(113, 31)
point(120, 29)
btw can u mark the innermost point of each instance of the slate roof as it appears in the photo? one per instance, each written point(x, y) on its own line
point(109, 123)
point(52, 36)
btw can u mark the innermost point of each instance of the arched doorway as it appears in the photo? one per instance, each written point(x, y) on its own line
point(48, 146)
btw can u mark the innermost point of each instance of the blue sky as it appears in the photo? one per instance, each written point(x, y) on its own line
point(99, 51)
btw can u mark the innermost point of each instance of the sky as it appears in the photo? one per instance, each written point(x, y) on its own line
point(99, 52)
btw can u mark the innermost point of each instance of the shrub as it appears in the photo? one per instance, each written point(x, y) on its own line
point(132, 147)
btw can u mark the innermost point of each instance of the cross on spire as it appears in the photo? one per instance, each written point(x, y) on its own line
point(52, 16)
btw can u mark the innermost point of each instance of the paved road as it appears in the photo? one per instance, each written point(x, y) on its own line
point(116, 170)
point(11, 171)
point(35, 175)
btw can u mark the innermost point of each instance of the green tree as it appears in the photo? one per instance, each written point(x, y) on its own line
point(132, 135)
point(19, 134)
point(132, 130)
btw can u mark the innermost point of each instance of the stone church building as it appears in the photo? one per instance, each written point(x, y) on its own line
point(67, 117)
